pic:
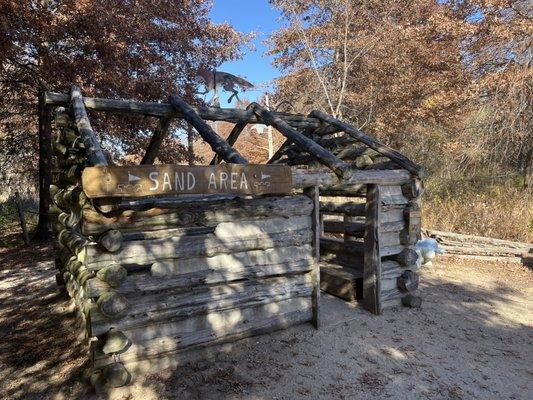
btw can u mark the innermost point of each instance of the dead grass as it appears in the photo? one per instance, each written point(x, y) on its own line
point(499, 212)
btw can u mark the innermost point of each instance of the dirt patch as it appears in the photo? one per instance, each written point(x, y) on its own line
point(471, 339)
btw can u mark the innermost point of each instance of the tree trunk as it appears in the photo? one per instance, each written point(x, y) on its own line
point(190, 144)
point(45, 168)
point(528, 169)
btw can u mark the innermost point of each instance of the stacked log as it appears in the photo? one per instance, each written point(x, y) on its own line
point(477, 246)
point(399, 260)
point(344, 147)
point(342, 244)
point(155, 282)
point(223, 272)
point(154, 278)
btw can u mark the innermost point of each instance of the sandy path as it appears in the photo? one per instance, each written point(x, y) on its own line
point(471, 339)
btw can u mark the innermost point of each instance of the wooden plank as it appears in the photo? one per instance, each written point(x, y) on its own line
point(339, 246)
point(171, 337)
point(273, 256)
point(93, 152)
point(218, 145)
point(258, 179)
point(347, 208)
point(328, 180)
point(392, 195)
point(187, 306)
point(152, 180)
point(372, 257)
point(195, 213)
point(413, 220)
point(149, 251)
point(314, 194)
point(355, 229)
point(373, 143)
point(442, 236)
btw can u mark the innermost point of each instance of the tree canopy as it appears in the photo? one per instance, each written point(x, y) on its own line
point(138, 49)
point(438, 79)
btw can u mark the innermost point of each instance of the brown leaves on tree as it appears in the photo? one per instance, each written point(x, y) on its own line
point(139, 49)
point(427, 76)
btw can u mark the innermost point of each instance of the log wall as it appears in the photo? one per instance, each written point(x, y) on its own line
point(154, 279)
point(350, 229)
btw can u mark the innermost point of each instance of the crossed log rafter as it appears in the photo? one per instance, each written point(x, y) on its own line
point(302, 132)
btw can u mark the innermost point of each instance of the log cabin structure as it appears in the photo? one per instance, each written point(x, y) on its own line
point(162, 260)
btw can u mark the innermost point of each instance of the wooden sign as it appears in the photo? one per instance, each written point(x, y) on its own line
point(152, 180)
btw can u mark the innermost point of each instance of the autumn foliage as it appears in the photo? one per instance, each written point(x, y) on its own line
point(144, 50)
point(448, 82)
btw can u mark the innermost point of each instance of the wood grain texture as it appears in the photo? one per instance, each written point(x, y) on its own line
point(152, 180)
point(157, 341)
point(192, 213)
point(183, 307)
point(373, 143)
point(93, 152)
point(340, 281)
point(372, 256)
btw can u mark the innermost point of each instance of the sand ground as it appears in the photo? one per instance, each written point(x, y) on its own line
point(472, 339)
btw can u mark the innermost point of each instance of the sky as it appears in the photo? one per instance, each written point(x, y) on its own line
point(247, 16)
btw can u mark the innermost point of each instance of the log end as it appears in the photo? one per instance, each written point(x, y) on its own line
point(111, 376)
point(111, 240)
point(412, 301)
point(115, 342)
point(114, 275)
point(112, 305)
point(408, 281)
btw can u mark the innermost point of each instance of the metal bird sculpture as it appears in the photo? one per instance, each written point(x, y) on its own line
point(213, 79)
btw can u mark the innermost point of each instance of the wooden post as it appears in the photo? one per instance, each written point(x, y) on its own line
point(22, 218)
point(313, 193)
point(190, 144)
point(372, 258)
point(219, 145)
point(269, 130)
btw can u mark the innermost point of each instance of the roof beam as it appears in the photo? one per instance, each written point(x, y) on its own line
point(232, 138)
point(305, 143)
point(93, 152)
point(371, 142)
point(159, 110)
point(219, 145)
point(155, 142)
